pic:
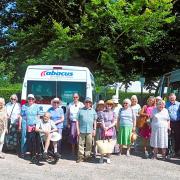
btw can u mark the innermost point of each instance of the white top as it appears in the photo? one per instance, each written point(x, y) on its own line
point(160, 118)
point(136, 108)
point(46, 126)
point(73, 110)
point(15, 112)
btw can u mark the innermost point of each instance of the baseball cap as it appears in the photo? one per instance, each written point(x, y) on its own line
point(31, 96)
point(87, 99)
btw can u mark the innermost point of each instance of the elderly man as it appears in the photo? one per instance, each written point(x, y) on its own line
point(173, 107)
point(86, 129)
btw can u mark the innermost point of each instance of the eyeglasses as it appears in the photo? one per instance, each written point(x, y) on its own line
point(13, 99)
point(109, 104)
point(75, 97)
point(55, 102)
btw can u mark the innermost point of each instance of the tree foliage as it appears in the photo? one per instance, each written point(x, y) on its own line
point(116, 39)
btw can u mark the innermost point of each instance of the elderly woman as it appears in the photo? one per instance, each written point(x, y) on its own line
point(145, 131)
point(3, 124)
point(160, 125)
point(136, 108)
point(29, 119)
point(72, 111)
point(134, 105)
point(100, 114)
point(126, 125)
point(116, 106)
point(108, 124)
point(57, 115)
point(158, 98)
point(13, 112)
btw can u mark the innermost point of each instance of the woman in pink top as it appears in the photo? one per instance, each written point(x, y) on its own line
point(145, 131)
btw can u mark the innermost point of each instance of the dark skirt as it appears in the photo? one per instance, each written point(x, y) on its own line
point(12, 137)
point(73, 133)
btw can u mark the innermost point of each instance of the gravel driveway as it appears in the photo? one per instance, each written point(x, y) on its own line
point(121, 167)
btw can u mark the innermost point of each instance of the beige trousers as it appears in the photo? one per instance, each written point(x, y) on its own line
point(85, 139)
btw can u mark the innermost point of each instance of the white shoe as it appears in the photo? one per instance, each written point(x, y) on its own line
point(101, 160)
point(108, 161)
point(128, 153)
point(2, 156)
point(146, 154)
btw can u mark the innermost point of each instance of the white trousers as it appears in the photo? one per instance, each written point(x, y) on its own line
point(2, 140)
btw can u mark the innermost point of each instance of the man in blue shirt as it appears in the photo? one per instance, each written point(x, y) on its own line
point(86, 129)
point(173, 107)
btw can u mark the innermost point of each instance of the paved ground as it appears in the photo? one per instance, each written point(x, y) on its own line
point(122, 167)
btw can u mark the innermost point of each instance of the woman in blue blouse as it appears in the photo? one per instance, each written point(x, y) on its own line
point(126, 125)
point(29, 118)
point(57, 115)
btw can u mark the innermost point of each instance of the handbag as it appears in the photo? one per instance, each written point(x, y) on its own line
point(133, 137)
point(105, 146)
point(9, 119)
point(31, 128)
point(141, 121)
point(109, 132)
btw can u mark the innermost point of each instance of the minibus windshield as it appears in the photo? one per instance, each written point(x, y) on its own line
point(45, 91)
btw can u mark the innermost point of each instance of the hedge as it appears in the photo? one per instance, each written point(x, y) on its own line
point(123, 95)
point(6, 92)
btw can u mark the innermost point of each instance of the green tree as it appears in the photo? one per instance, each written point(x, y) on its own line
point(108, 36)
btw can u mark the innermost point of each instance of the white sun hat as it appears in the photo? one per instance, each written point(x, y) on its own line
point(55, 136)
point(31, 96)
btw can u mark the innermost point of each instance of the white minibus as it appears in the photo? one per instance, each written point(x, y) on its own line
point(49, 81)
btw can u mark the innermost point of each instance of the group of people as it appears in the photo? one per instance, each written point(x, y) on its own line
point(87, 125)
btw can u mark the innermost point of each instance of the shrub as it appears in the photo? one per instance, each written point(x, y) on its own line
point(6, 92)
point(122, 95)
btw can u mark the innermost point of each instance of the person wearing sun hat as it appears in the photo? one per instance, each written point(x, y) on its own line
point(116, 106)
point(28, 119)
point(108, 124)
point(100, 112)
point(57, 115)
point(86, 129)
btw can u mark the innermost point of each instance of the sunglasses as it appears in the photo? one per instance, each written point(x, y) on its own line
point(30, 98)
point(13, 99)
point(75, 97)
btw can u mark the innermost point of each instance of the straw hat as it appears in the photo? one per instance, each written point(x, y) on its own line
point(55, 136)
point(133, 137)
point(109, 102)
